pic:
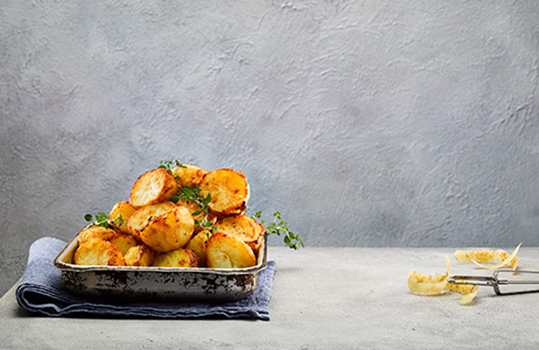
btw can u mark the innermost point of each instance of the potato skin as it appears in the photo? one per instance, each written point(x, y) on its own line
point(140, 255)
point(177, 258)
point(140, 218)
point(95, 251)
point(123, 210)
point(96, 231)
point(169, 231)
point(188, 175)
point(228, 252)
point(243, 227)
point(229, 191)
point(154, 186)
point(193, 207)
point(158, 232)
point(198, 245)
point(124, 242)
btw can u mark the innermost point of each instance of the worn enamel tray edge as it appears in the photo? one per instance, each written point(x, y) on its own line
point(63, 261)
point(163, 283)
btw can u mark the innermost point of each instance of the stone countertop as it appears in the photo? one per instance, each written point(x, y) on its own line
point(323, 298)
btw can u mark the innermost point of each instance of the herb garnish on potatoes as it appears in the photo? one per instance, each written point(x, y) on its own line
point(181, 215)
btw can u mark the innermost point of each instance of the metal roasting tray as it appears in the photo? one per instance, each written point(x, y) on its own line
point(158, 283)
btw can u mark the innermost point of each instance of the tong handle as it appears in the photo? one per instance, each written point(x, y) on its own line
point(504, 281)
point(516, 282)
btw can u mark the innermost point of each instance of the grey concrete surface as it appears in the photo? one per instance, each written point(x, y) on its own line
point(366, 123)
point(323, 298)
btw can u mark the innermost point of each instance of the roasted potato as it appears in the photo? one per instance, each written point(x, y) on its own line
point(169, 231)
point(154, 186)
point(96, 231)
point(188, 175)
point(158, 229)
point(198, 245)
point(229, 191)
point(124, 242)
point(96, 251)
point(193, 208)
point(120, 214)
point(140, 218)
point(176, 258)
point(140, 255)
point(228, 252)
point(243, 227)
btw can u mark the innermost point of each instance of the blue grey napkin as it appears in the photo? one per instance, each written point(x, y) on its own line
point(41, 290)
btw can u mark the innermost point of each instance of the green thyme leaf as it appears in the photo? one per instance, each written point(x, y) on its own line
point(192, 194)
point(279, 227)
point(102, 219)
point(170, 164)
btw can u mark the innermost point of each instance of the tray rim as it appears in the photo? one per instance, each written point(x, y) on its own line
point(60, 263)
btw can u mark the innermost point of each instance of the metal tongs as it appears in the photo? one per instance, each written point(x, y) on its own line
point(504, 282)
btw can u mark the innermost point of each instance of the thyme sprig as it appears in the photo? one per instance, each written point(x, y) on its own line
point(102, 219)
point(279, 227)
point(192, 194)
point(170, 164)
point(276, 227)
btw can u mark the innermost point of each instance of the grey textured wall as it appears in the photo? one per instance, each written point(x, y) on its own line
point(366, 123)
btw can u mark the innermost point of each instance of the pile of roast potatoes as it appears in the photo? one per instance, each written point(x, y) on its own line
point(153, 229)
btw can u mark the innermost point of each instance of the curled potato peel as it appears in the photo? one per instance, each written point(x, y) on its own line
point(468, 291)
point(479, 257)
point(437, 284)
point(424, 284)
point(510, 260)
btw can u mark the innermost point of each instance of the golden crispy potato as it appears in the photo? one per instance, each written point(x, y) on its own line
point(228, 252)
point(176, 258)
point(95, 251)
point(169, 231)
point(124, 242)
point(188, 175)
point(155, 228)
point(193, 207)
point(243, 227)
point(198, 245)
point(140, 255)
point(96, 231)
point(260, 228)
point(140, 218)
point(120, 214)
point(154, 186)
point(229, 191)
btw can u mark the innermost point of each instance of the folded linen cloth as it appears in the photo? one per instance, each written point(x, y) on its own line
point(41, 290)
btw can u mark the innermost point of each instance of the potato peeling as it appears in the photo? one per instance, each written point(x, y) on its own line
point(468, 291)
point(479, 257)
point(424, 284)
point(437, 284)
